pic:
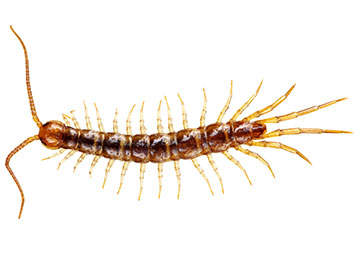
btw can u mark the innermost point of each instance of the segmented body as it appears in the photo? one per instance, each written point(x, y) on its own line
point(159, 148)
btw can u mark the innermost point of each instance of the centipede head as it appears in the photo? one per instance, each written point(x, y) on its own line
point(51, 134)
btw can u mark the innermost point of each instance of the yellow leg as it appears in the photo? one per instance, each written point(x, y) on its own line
point(128, 122)
point(123, 173)
point(99, 121)
point(65, 118)
point(204, 109)
point(87, 118)
point(70, 154)
point(141, 178)
point(75, 122)
point(115, 124)
point(226, 106)
point(176, 163)
point(297, 131)
point(60, 151)
point(80, 159)
point(198, 167)
point(178, 176)
point(255, 155)
point(270, 107)
point(293, 115)
point(246, 104)
point(213, 164)
point(184, 116)
point(107, 170)
point(141, 121)
point(93, 163)
point(278, 145)
point(160, 177)
point(236, 162)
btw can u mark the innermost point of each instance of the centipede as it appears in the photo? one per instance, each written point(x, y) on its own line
point(159, 148)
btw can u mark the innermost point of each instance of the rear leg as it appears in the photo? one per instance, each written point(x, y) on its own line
point(246, 104)
point(270, 107)
point(236, 162)
point(277, 119)
point(297, 131)
point(278, 145)
point(255, 155)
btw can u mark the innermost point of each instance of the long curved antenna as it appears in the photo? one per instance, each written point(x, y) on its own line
point(7, 164)
point(28, 84)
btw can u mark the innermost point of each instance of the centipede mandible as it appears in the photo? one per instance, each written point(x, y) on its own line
point(159, 148)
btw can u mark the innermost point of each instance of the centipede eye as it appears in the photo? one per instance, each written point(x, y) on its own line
point(51, 134)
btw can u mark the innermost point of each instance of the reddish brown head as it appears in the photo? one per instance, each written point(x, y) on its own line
point(51, 134)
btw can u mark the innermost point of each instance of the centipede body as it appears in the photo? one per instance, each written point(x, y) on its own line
point(161, 147)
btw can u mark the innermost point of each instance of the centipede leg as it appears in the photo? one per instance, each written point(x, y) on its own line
point(202, 124)
point(115, 123)
point(59, 152)
point(107, 170)
point(143, 165)
point(73, 118)
point(160, 165)
point(99, 121)
point(70, 154)
point(236, 162)
point(176, 163)
point(123, 173)
point(87, 118)
point(278, 145)
point(226, 106)
point(297, 131)
point(200, 170)
point(255, 155)
point(80, 159)
point(214, 167)
point(93, 163)
point(126, 164)
point(270, 107)
point(277, 119)
point(65, 118)
point(141, 178)
point(246, 104)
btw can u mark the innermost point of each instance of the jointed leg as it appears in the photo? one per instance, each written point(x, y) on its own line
point(184, 116)
point(60, 151)
point(160, 165)
point(70, 154)
point(99, 121)
point(204, 109)
point(176, 163)
point(213, 164)
point(107, 170)
point(65, 118)
point(255, 155)
point(198, 167)
point(80, 159)
point(278, 146)
point(87, 118)
point(123, 173)
point(128, 122)
point(293, 115)
point(226, 106)
point(236, 162)
point(115, 123)
point(75, 122)
point(246, 104)
point(93, 163)
point(141, 121)
point(297, 131)
point(270, 107)
point(141, 178)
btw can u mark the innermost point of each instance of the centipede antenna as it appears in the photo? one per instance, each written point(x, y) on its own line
point(28, 84)
point(7, 164)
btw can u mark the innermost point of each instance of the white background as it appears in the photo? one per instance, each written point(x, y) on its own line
point(118, 53)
